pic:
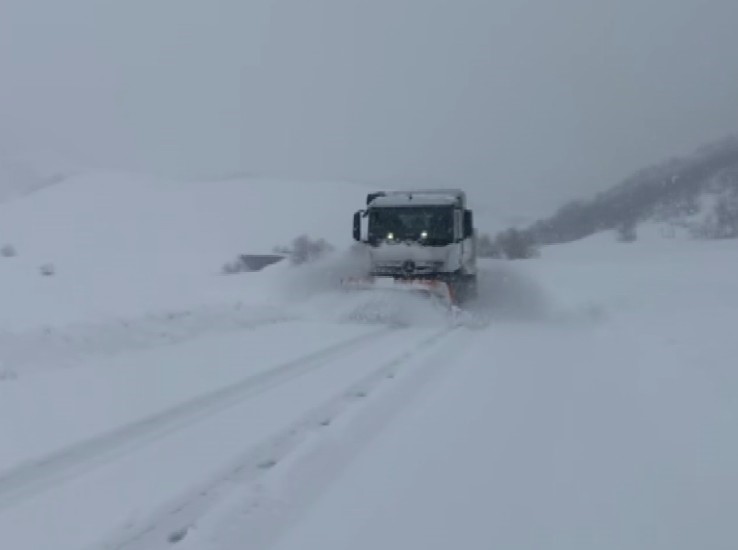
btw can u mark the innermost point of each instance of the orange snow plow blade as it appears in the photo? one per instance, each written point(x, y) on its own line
point(433, 287)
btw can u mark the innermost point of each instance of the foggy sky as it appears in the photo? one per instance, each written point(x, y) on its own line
point(525, 103)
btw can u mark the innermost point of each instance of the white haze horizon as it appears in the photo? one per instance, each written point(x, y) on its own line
point(526, 106)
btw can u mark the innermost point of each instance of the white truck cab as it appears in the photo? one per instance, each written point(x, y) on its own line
point(420, 235)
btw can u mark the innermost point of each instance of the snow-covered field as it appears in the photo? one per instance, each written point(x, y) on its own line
point(589, 400)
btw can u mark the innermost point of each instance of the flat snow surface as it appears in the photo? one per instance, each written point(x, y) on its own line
point(147, 401)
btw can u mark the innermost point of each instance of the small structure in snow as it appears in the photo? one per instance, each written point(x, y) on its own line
point(251, 262)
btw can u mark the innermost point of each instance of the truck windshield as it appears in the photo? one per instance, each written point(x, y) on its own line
point(432, 225)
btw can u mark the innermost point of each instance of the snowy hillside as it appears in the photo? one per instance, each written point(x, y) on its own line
point(128, 246)
point(99, 263)
point(148, 401)
point(695, 195)
point(22, 174)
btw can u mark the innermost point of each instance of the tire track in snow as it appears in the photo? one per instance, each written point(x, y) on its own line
point(34, 477)
point(173, 523)
point(260, 518)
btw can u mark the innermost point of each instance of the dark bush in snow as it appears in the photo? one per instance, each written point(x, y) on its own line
point(668, 192)
point(516, 244)
point(626, 232)
point(8, 251)
point(47, 270)
point(722, 222)
point(7, 374)
point(487, 248)
point(304, 250)
point(726, 216)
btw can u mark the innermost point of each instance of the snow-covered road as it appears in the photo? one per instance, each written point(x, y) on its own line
point(125, 476)
point(527, 434)
point(534, 438)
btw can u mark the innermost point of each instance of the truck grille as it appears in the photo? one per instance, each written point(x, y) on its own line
point(407, 268)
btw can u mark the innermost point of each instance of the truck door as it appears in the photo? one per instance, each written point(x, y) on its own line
point(458, 225)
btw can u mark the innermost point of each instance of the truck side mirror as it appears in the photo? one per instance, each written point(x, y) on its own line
point(468, 224)
point(357, 225)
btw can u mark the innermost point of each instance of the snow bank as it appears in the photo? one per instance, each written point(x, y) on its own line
point(125, 245)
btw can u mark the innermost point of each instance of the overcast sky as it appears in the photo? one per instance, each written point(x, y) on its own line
point(525, 102)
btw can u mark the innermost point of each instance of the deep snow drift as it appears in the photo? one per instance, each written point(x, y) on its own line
point(588, 400)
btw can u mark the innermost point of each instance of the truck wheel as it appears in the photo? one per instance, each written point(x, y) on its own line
point(470, 290)
point(465, 288)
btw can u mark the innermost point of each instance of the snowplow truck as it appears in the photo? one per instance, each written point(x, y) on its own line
point(421, 240)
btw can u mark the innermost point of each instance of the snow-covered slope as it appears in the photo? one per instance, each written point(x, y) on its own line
point(23, 171)
point(126, 246)
point(695, 194)
point(588, 400)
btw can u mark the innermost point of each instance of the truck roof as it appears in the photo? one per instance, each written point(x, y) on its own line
point(418, 197)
